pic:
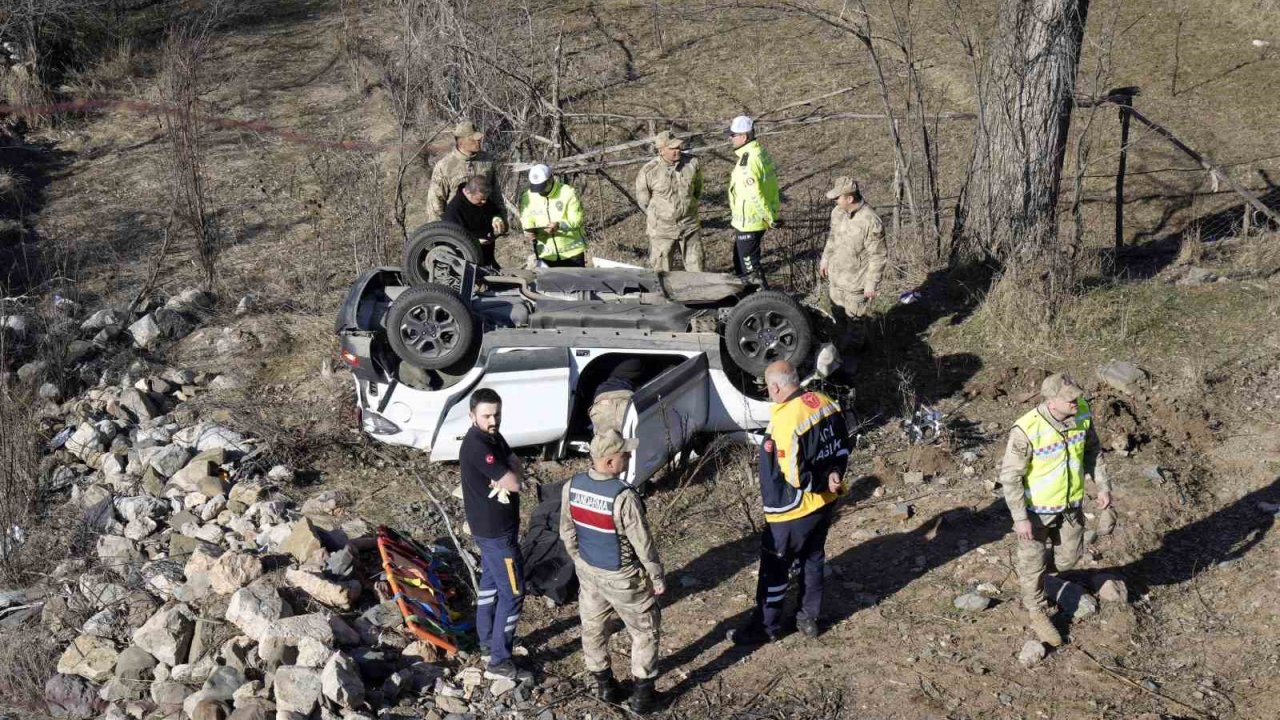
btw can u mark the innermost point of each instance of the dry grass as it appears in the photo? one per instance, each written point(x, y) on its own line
point(28, 657)
point(19, 476)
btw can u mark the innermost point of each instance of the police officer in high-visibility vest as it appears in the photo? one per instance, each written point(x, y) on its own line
point(802, 464)
point(1052, 451)
point(551, 216)
point(753, 199)
point(603, 526)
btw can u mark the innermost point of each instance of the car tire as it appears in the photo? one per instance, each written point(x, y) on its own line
point(765, 327)
point(430, 241)
point(429, 326)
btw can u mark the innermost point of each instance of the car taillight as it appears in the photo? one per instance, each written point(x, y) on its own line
point(350, 358)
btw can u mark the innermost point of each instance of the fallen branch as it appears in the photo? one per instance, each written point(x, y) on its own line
point(457, 544)
point(1149, 691)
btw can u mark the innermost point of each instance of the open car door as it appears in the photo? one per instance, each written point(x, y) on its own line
point(664, 414)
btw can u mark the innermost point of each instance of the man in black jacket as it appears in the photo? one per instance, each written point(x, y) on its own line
point(471, 210)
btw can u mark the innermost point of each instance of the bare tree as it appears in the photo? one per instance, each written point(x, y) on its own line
point(1025, 97)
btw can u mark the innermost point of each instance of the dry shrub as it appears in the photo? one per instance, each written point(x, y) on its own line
point(28, 657)
point(22, 87)
point(1190, 250)
point(111, 76)
point(19, 477)
point(12, 187)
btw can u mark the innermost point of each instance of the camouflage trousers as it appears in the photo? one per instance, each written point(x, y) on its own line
point(1063, 535)
point(687, 239)
point(628, 595)
point(609, 410)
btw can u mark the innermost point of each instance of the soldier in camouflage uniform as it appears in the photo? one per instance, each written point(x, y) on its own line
point(603, 526)
point(668, 189)
point(464, 161)
point(853, 261)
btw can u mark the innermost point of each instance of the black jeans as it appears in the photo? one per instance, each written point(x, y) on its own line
point(576, 261)
point(781, 544)
point(746, 256)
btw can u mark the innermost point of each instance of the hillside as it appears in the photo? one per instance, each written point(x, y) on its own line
point(310, 156)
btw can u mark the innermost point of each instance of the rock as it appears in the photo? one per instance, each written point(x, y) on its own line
point(452, 705)
point(118, 554)
point(211, 533)
point(341, 563)
point(211, 436)
point(90, 657)
point(14, 324)
point(78, 350)
point(163, 577)
point(1123, 376)
point(254, 709)
point(1153, 473)
point(335, 593)
point(1032, 653)
point(195, 474)
point(502, 687)
point(102, 624)
point(169, 694)
point(70, 696)
point(972, 602)
point(85, 441)
point(169, 459)
point(900, 511)
point(426, 652)
point(302, 541)
point(326, 503)
point(340, 681)
point(1197, 276)
point(1113, 590)
point(49, 391)
point(139, 405)
point(134, 664)
point(245, 306)
point(101, 319)
point(208, 709)
point(223, 682)
point(190, 300)
point(233, 571)
point(305, 640)
point(145, 332)
point(913, 478)
point(140, 506)
point(1070, 597)
point(297, 689)
point(140, 529)
point(173, 324)
point(167, 635)
point(256, 608)
point(214, 485)
point(246, 493)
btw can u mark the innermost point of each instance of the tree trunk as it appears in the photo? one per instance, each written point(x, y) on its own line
point(1008, 206)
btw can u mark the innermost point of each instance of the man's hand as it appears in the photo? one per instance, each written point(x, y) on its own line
point(822, 268)
point(869, 294)
point(659, 588)
point(1023, 529)
point(834, 482)
point(1104, 500)
point(499, 226)
point(553, 228)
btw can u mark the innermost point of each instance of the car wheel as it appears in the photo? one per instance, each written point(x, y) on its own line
point(765, 327)
point(430, 247)
point(431, 327)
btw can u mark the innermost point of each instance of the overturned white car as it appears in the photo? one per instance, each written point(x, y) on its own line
point(420, 340)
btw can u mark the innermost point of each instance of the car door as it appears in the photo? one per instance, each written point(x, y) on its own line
point(534, 386)
point(664, 414)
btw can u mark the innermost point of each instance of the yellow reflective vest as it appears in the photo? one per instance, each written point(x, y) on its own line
point(561, 206)
point(1055, 478)
point(806, 441)
point(753, 189)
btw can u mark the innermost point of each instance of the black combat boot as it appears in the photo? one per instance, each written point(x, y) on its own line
point(644, 699)
point(604, 687)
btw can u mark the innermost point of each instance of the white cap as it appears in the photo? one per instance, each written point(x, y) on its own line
point(741, 124)
point(538, 174)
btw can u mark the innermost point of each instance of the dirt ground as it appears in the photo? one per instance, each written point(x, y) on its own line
point(1199, 635)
